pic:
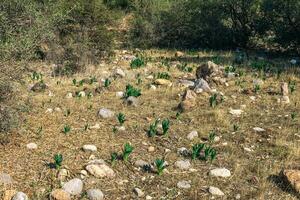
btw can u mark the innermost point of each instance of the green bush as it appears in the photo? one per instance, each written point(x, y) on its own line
point(47, 29)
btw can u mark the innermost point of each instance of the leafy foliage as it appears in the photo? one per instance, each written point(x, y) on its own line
point(131, 91)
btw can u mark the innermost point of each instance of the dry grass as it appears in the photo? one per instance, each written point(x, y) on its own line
point(254, 173)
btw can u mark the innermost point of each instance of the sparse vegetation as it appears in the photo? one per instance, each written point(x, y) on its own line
point(160, 166)
point(131, 91)
point(127, 151)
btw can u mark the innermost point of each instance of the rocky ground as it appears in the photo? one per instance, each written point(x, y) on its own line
point(187, 132)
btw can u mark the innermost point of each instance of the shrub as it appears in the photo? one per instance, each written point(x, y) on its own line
point(8, 118)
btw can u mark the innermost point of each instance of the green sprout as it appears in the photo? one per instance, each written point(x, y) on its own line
point(93, 80)
point(114, 129)
point(137, 63)
point(66, 129)
point(160, 166)
point(107, 83)
point(256, 88)
point(58, 158)
point(121, 118)
point(293, 115)
point(196, 149)
point(165, 126)
point(86, 127)
point(36, 76)
point(211, 136)
point(235, 127)
point(127, 151)
point(113, 158)
point(163, 75)
point(153, 128)
point(209, 152)
point(131, 91)
point(74, 81)
point(292, 86)
point(213, 100)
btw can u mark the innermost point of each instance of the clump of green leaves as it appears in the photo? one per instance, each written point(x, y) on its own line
point(196, 149)
point(163, 75)
point(131, 91)
point(160, 166)
point(113, 158)
point(165, 126)
point(127, 151)
point(230, 69)
point(93, 80)
point(107, 83)
point(74, 81)
point(293, 115)
point(184, 68)
point(257, 88)
point(36, 76)
point(215, 100)
point(58, 159)
point(121, 118)
point(212, 136)
point(292, 86)
point(137, 63)
point(203, 152)
point(236, 127)
point(153, 128)
point(66, 129)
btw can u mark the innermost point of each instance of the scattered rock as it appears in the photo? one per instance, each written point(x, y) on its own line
point(187, 83)
point(31, 146)
point(163, 82)
point(285, 100)
point(220, 172)
point(121, 128)
point(69, 95)
point(152, 87)
point(8, 194)
point(183, 164)
point(258, 82)
point(235, 112)
point(151, 149)
point(184, 184)
point(132, 101)
point(192, 135)
point(59, 194)
point(89, 147)
point(215, 191)
point(138, 192)
point(201, 86)
point(81, 94)
point(100, 170)
point(83, 174)
point(183, 151)
point(96, 126)
point(188, 101)
point(120, 94)
point(179, 54)
point(20, 196)
point(95, 194)
point(73, 187)
point(293, 177)
point(258, 129)
point(106, 113)
point(6, 179)
point(120, 72)
point(148, 197)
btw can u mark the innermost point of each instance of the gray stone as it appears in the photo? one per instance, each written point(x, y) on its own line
point(184, 184)
point(74, 186)
point(120, 72)
point(20, 196)
point(31, 146)
point(89, 147)
point(106, 113)
point(100, 170)
point(201, 84)
point(138, 192)
point(183, 164)
point(95, 194)
point(220, 172)
point(132, 101)
point(192, 135)
point(215, 191)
